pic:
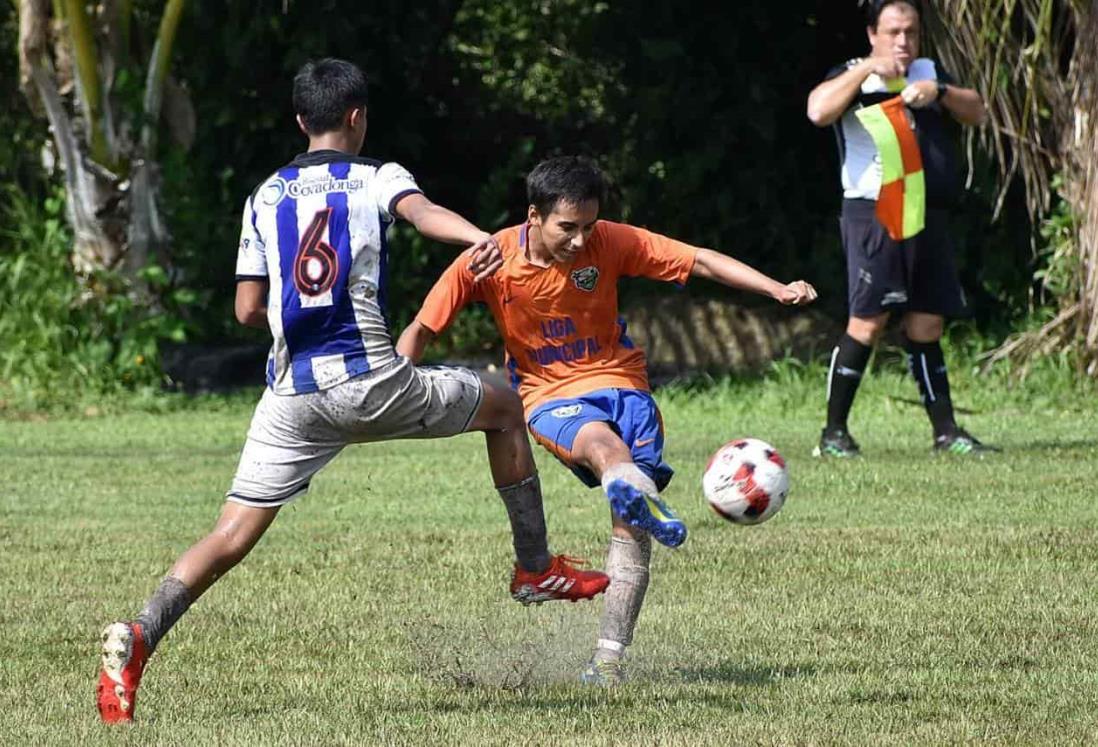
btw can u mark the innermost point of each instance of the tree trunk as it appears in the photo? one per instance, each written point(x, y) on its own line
point(1081, 172)
point(88, 190)
point(114, 217)
point(148, 236)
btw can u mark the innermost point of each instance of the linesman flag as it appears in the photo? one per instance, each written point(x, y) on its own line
point(901, 205)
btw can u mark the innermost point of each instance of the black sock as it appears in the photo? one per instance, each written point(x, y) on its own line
point(163, 610)
point(927, 365)
point(848, 362)
point(524, 508)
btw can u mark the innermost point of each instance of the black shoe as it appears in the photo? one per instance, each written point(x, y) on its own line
point(961, 442)
point(836, 442)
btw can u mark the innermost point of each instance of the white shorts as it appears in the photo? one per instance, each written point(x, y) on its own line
point(292, 436)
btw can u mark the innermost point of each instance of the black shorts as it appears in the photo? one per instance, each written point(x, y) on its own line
point(917, 274)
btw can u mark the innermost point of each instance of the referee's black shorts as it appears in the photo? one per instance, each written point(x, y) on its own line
point(917, 274)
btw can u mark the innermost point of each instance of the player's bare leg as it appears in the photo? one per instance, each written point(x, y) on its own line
point(539, 576)
point(126, 646)
point(237, 530)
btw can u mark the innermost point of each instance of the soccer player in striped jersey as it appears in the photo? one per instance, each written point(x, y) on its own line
point(311, 267)
point(583, 382)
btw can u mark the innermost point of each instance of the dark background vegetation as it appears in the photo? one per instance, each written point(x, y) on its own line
point(696, 111)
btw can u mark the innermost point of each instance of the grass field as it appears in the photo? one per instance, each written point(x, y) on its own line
point(899, 599)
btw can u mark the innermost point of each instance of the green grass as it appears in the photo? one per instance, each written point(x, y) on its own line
point(899, 599)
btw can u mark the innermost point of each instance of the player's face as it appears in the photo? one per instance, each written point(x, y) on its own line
point(565, 231)
point(897, 34)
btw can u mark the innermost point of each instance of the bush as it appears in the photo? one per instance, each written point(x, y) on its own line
point(59, 342)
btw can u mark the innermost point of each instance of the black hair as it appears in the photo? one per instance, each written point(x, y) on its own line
point(570, 179)
point(874, 8)
point(325, 90)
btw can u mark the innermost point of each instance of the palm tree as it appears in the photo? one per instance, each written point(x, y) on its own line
point(73, 58)
point(1036, 62)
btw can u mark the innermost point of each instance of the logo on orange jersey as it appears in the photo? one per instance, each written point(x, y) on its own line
point(585, 278)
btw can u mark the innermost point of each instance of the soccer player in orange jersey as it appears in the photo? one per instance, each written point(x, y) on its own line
point(583, 382)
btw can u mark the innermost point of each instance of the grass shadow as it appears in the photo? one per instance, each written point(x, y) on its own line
point(912, 402)
point(731, 673)
point(1075, 443)
point(627, 698)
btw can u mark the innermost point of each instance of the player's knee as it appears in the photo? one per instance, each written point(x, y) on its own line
point(866, 330)
point(924, 328)
point(598, 448)
point(500, 410)
point(232, 547)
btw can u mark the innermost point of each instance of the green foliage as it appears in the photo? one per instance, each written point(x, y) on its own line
point(698, 119)
point(536, 56)
point(1060, 271)
point(59, 343)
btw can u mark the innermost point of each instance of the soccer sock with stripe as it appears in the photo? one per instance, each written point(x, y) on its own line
point(848, 362)
point(627, 565)
point(164, 608)
point(524, 509)
point(927, 365)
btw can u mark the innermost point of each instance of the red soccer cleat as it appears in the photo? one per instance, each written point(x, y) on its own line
point(561, 580)
point(124, 659)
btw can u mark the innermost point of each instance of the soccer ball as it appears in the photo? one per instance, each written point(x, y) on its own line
point(746, 481)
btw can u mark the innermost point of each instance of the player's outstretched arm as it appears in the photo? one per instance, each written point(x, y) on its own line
point(441, 224)
point(723, 269)
point(251, 303)
point(414, 340)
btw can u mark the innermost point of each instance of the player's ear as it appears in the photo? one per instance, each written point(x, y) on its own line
point(533, 216)
point(301, 125)
point(356, 118)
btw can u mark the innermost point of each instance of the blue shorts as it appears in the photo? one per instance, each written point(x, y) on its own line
point(631, 413)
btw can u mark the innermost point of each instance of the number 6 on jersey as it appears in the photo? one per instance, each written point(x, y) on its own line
point(317, 264)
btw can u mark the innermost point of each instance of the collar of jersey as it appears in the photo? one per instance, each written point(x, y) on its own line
point(321, 157)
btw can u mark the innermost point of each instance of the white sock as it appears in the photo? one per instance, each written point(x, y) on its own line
point(630, 473)
point(627, 565)
point(607, 650)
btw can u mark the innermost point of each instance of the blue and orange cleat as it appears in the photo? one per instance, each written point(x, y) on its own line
point(124, 658)
point(561, 580)
point(646, 512)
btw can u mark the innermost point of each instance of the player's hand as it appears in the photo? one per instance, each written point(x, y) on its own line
point(886, 67)
point(797, 293)
point(485, 258)
point(920, 93)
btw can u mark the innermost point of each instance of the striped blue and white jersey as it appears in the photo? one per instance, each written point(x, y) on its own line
point(315, 230)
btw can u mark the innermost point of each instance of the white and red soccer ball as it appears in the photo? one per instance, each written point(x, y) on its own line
point(746, 481)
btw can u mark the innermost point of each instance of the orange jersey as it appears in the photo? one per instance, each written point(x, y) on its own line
point(560, 324)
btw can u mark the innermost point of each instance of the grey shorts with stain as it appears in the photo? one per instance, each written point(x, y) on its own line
point(292, 437)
